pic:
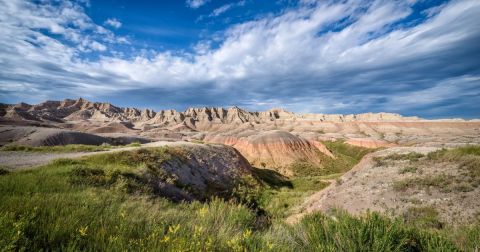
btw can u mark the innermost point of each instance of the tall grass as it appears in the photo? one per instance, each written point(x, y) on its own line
point(372, 232)
point(43, 210)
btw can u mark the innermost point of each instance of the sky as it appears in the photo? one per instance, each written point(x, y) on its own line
point(413, 57)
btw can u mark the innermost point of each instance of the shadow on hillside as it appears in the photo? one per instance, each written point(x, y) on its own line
point(272, 178)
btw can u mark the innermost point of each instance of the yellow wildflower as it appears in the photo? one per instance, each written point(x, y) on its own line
point(247, 234)
point(203, 211)
point(173, 229)
point(83, 231)
point(165, 239)
point(269, 246)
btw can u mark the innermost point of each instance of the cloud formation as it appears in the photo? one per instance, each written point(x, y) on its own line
point(113, 22)
point(224, 8)
point(322, 56)
point(194, 4)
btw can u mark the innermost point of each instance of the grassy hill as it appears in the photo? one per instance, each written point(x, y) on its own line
point(63, 208)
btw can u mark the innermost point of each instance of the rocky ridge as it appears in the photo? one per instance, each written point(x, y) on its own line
point(82, 109)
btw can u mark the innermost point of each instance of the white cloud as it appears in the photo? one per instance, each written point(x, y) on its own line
point(224, 8)
point(194, 4)
point(288, 60)
point(113, 22)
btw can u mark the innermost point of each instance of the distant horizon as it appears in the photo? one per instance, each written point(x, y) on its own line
point(414, 58)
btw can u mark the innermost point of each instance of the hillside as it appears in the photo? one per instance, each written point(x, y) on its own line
point(437, 186)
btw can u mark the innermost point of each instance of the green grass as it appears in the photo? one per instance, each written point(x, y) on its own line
point(372, 232)
point(43, 210)
point(60, 148)
point(134, 144)
point(279, 201)
point(423, 217)
point(94, 204)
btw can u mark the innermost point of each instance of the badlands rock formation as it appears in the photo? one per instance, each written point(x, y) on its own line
point(196, 171)
point(368, 130)
point(274, 149)
point(81, 109)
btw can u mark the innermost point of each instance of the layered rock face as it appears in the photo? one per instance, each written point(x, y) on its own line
point(274, 149)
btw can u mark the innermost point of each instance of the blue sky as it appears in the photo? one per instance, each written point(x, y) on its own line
point(414, 57)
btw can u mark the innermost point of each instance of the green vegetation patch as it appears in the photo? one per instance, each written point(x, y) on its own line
point(423, 217)
point(388, 160)
point(346, 156)
point(134, 144)
point(279, 201)
point(372, 232)
point(441, 181)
